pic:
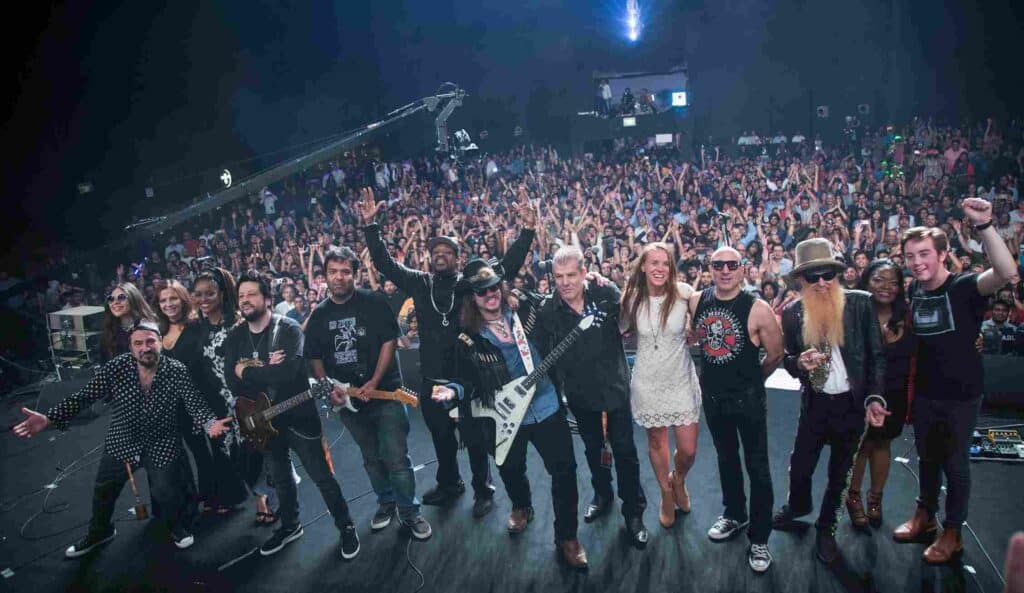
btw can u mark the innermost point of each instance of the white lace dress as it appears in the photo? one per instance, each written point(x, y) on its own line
point(664, 390)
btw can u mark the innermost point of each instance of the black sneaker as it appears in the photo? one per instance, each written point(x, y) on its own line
point(382, 518)
point(349, 542)
point(418, 527)
point(88, 544)
point(281, 538)
point(183, 538)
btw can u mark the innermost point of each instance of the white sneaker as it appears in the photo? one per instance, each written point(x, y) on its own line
point(759, 557)
point(724, 528)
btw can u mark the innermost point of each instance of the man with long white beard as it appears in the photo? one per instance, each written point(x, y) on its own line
point(834, 346)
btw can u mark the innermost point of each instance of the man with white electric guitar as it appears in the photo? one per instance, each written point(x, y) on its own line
point(500, 375)
point(351, 338)
point(263, 359)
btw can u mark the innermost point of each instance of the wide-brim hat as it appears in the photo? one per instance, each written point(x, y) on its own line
point(443, 240)
point(478, 274)
point(815, 254)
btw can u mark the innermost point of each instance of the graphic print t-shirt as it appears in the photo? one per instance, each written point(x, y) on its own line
point(731, 363)
point(947, 321)
point(348, 338)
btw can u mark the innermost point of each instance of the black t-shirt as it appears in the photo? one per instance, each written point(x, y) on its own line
point(348, 338)
point(947, 321)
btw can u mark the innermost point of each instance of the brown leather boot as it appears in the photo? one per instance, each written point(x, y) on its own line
point(875, 508)
point(667, 512)
point(573, 554)
point(919, 527)
point(945, 548)
point(518, 520)
point(679, 491)
point(855, 507)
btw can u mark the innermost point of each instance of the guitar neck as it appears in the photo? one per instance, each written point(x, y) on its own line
point(552, 357)
point(281, 408)
point(374, 394)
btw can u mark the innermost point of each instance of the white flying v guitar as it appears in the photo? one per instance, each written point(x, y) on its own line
point(512, 400)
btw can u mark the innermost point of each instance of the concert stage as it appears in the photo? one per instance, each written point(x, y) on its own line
point(464, 554)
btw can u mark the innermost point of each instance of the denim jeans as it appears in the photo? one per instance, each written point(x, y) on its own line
point(310, 450)
point(171, 491)
point(942, 434)
point(381, 429)
point(731, 419)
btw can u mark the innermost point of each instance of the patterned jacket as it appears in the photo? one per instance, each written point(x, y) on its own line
point(140, 426)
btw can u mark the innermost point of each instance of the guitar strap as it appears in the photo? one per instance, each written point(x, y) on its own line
point(274, 322)
point(521, 343)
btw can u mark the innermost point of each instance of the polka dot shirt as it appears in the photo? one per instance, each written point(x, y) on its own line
point(140, 425)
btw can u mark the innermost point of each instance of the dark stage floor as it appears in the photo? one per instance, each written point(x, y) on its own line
point(36, 524)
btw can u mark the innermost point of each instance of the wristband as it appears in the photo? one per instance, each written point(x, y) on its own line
point(983, 226)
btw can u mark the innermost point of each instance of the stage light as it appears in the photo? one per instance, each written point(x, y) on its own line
point(629, 122)
point(633, 19)
point(679, 99)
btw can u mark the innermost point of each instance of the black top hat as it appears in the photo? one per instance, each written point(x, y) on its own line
point(478, 274)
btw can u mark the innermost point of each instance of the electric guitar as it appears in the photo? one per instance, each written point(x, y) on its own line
point(354, 404)
point(512, 400)
point(254, 415)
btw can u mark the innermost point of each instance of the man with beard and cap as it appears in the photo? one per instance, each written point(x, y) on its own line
point(496, 346)
point(834, 347)
point(265, 355)
point(947, 310)
point(435, 301)
point(145, 390)
point(351, 337)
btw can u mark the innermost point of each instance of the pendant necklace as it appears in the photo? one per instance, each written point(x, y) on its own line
point(650, 313)
point(255, 349)
point(433, 303)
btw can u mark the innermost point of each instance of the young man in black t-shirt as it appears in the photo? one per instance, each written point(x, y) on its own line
point(947, 313)
point(351, 337)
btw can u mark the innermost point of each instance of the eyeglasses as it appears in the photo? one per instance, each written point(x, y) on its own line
point(813, 277)
point(486, 291)
point(732, 264)
point(119, 298)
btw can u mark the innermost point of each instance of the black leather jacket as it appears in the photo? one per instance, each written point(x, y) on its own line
point(862, 346)
point(479, 366)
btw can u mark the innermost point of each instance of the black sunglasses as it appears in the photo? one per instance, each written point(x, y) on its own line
point(732, 264)
point(813, 277)
point(119, 298)
point(486, 291)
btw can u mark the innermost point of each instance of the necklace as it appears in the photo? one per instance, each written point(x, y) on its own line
point(255, 345)
point(433, 303)
point(656, 328)
point(501, 327)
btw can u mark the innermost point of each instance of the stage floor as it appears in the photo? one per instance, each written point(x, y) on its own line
point(464, 554)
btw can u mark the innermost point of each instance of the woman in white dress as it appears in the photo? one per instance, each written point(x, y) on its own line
point(664, 390)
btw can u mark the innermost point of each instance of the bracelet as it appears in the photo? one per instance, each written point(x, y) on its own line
point(983, 226)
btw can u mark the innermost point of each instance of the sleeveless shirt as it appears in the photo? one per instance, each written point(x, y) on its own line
point(731, 362)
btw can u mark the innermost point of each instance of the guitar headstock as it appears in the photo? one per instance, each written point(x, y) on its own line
point(593, 316)
point(407, 397)
point(322, 389)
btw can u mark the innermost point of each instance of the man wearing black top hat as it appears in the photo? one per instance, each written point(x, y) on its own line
point(834, 347)
point(435, 301)
point(496, 346)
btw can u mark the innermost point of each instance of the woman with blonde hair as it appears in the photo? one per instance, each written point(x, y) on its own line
point(664, 390)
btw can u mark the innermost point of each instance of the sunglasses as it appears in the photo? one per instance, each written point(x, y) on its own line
point(119, 298)
point(486, 291)
point(813, 277)
point(718, 266)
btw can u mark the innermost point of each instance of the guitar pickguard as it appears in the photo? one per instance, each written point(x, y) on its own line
point(510, 406)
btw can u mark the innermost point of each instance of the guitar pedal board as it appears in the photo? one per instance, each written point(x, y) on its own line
point(1004, 444)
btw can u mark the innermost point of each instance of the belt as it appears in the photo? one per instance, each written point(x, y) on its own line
point(831, 396)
